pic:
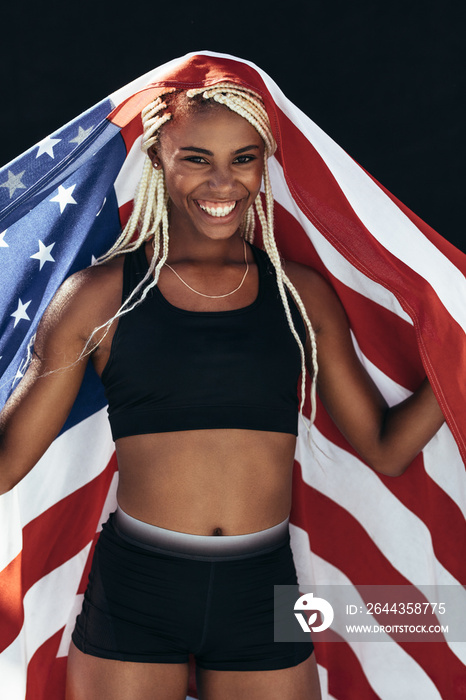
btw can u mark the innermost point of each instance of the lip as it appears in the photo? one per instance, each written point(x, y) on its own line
point(218, 219)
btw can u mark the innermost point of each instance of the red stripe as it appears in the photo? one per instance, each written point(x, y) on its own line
point(46, 674)
point(85, 577)
point(131, 132)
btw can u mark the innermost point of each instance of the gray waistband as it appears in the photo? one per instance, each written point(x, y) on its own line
point(204, 545)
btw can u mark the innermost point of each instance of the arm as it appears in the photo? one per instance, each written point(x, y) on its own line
point(36, 411)
point(388, 439)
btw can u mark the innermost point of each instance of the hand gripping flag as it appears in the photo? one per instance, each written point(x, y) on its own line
point(403, 288)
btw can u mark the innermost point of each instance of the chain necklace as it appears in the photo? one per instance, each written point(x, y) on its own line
point(215, 296)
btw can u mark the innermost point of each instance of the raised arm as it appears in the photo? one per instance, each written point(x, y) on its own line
point(40, 404)
point(388, 439)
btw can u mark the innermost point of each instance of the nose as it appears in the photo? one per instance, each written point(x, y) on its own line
point(222, 179)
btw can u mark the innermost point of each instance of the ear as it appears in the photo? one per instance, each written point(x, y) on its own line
point(155, 159)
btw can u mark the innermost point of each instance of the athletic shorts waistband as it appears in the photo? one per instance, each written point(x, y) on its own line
point(184, 544)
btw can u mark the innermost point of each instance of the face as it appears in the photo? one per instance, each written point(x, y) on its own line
point(213, 162)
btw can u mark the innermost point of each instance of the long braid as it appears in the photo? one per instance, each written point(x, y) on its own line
point(149, 217)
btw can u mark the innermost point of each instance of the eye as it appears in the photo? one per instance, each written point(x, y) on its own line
point(195, 159)
point(244, 159)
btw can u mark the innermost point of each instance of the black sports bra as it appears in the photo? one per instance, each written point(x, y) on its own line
point(171, 369)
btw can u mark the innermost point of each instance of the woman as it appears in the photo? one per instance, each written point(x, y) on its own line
point(205, 428)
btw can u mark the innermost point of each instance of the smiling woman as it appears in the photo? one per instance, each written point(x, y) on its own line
point(200, 339)
point(221, 183)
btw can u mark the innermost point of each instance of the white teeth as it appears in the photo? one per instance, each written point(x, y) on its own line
point(218, 211)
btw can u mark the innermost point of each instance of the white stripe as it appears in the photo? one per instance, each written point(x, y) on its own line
point(443, 463)
point(13, 670)
point(128, 177)
point(378, 659)
point(323, 680)
point(334, 261)
point(74, 459)
point(110, 501)
point(68, 631)
point(10, 524)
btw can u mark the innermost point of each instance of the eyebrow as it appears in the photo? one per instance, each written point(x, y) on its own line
point(209, 153)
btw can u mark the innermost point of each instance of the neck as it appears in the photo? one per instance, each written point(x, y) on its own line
point(197, 249)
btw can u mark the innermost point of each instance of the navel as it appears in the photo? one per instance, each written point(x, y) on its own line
point(217, 531)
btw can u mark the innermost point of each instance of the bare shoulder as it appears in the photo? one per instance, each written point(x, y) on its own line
point(318, 296)
point(85, 300)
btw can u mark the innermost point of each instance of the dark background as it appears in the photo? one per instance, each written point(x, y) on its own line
point(384, 80)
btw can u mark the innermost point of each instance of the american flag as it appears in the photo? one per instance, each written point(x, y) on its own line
point(403, 287)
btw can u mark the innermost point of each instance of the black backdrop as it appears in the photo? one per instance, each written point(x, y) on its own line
point(382, 79)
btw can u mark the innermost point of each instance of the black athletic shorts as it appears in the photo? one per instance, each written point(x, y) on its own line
point(146, 605)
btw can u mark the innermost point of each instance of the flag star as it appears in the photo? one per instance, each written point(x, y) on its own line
point(14, 182)
point(47, 146)
point(3, 243)
point(93, 260)
point(64, 197)
point(43, 254)
point(82, 134)
point(20, 312)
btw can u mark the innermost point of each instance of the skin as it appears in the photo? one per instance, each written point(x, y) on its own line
point(203, 481)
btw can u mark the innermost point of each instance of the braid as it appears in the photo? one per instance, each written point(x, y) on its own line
point(149, 217)
point(282, 282)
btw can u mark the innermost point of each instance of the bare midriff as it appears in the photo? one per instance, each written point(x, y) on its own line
point(207, 482)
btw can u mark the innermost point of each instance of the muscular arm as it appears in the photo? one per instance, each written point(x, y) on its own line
point(39, 406)
point(388, 438)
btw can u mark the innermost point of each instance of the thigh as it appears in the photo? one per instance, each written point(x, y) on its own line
point(299, 682)
point(93, 678)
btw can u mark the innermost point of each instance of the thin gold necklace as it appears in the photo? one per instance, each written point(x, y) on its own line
point(215, 296)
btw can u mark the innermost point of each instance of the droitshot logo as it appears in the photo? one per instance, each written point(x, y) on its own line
point(308, 603)
point(370, 613)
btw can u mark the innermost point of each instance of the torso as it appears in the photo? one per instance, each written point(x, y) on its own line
point(222, 481)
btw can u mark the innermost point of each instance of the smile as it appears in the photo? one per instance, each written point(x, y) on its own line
point(219, 209)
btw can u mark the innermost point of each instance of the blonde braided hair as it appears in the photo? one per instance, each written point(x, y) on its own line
point(149, 217)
